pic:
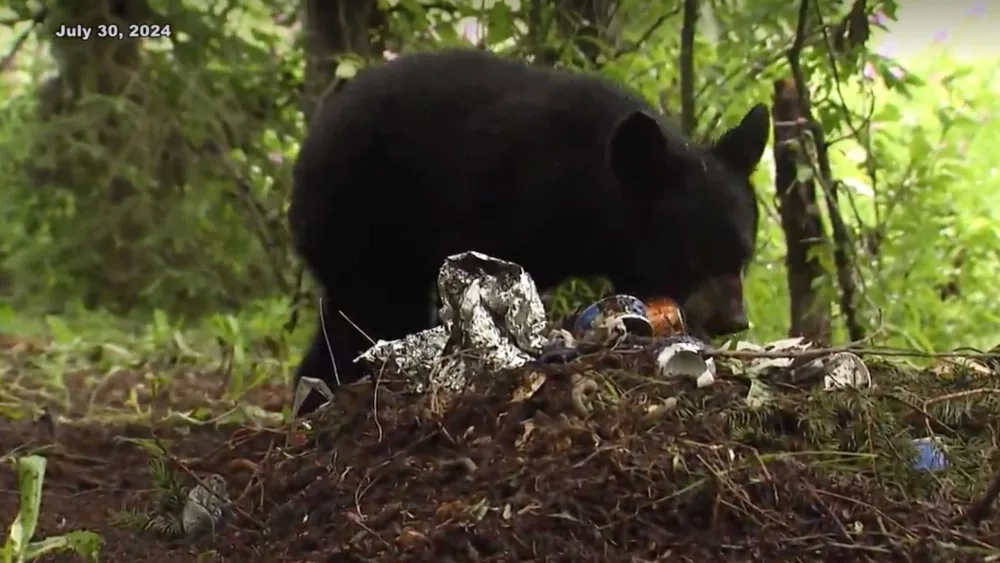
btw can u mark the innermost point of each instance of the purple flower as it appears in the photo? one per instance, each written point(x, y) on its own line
point(888, 48)
point(940, 36)
point(869, 71)
point(473, 31)
point(978, 10)
point(878, 18)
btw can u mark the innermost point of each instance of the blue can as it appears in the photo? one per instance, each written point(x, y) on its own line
point(930, 455)
point(631, 310)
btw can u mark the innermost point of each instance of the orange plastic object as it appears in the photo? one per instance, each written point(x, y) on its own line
point(666, 317)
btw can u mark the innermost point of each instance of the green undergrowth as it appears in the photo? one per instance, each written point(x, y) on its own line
point(45, 358)
point(880, 426)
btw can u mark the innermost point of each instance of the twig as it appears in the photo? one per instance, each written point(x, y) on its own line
point(928, 417)
point(820, 352)
point(637, 44)
point(961, 395)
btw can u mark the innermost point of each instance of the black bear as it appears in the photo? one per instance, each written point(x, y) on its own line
point(563, 173)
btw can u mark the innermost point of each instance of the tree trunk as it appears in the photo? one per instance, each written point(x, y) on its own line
point(334, 28)
point(800, 218)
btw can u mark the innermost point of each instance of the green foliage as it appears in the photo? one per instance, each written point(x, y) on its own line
point(160, 515)
point(148, 361)
point(186, 215)
point(159, 192)
point(881, 425)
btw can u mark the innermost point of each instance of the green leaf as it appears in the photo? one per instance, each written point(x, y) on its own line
point(85, 543)
point(30, 476)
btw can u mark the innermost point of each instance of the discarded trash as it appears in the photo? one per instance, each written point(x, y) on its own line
point(930, 455)
point(655, 412)
point(845, 369)
point(949, 368)
point(683, 357)
point(493, 320)
point(560, 349)
point(304, 387)
point(205, 506)
point(761, 367)
point(666, 317)
point(659, 317)
point(531, 382)
point(625, 308)
point(759, 394)
point(836, 371)
point(605, 323)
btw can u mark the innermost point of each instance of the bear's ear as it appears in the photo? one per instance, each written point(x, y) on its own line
point(636, 153)
point(742, 146)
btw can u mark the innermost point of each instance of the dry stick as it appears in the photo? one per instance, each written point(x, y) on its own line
point(813, 353)
point(960, 395)
point(820, 352)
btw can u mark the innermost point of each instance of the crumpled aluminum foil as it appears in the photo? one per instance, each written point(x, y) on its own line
point(206, 505)
point(493, 319)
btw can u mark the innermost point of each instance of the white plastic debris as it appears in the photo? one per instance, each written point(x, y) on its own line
point(205, 506)
point(835, 371)
point(759, 394)
point(493, 319)
point(762, 366)
point(845, 369)
point(307, 385)
point(683, 357)
point(948, 368)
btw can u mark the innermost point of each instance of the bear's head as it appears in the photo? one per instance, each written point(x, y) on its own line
point(690, 226)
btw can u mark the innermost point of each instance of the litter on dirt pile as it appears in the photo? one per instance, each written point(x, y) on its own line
point(206, 503)
point(604, 460)
point(685, 357)
point(614, 453)
point(492, 319)
point(629, 449)
point(930, 456)
point(625, 309)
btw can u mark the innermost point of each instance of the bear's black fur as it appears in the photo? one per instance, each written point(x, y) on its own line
point(565, 174)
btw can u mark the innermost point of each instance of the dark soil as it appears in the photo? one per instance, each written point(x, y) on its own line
point(483, 477)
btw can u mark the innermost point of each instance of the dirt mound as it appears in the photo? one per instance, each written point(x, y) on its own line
point(614, 475)
point(593, 461)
